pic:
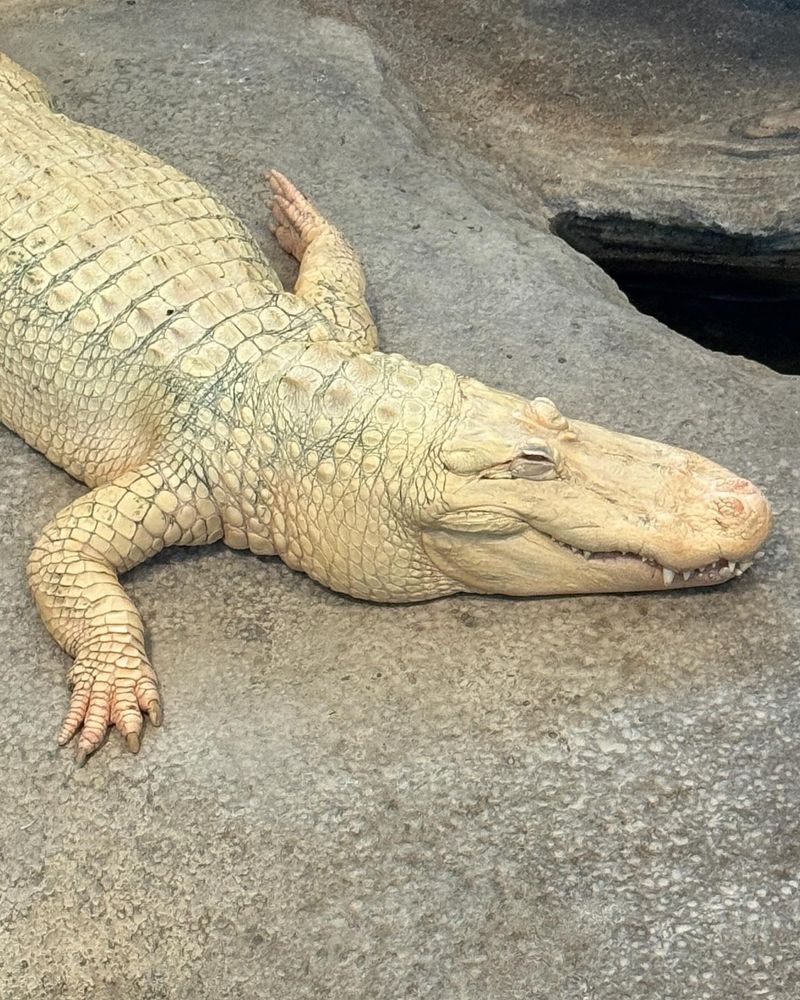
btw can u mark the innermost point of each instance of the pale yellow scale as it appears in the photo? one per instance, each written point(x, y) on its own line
point(107, 251)
point(148, 348)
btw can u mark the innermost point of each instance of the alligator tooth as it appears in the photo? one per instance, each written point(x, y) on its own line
point(759, 555)
point(731, 566)
point(686, 574)
point(745, 566)
point(668, 575)
point(738, 571)
point(587, 554)
point(725, 573)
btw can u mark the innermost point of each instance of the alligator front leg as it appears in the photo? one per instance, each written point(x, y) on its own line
point(73, 574)
point(331, 276)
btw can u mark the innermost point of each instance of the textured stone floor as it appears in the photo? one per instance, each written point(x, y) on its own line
point(474, 798)
point(677, 110)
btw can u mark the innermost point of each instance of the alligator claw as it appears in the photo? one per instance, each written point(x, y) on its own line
point(110, 687)
point(296, 221)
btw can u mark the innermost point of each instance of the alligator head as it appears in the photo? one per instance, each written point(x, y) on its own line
point(409, 482)
point(536, 504)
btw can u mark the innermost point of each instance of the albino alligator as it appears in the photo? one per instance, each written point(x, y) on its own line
point(148, 348)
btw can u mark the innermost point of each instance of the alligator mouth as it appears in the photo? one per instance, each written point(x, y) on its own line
point(710, 573)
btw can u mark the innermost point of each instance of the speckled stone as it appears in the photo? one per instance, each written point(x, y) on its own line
point(677, 112)
point(473, 798)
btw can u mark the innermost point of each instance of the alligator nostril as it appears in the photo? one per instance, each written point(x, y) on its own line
point(730, 507)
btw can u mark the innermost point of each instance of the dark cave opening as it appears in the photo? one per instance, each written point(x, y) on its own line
point(734, 293)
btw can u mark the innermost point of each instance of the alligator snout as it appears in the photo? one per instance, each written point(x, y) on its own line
point(743, 510)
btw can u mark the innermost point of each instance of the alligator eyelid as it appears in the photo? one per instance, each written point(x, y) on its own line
point(537, 453)
point(525, 468)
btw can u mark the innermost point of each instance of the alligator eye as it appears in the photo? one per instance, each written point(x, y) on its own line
point(534, 462)
point(537, 455)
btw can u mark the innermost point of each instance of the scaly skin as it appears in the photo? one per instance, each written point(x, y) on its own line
point(147, 347)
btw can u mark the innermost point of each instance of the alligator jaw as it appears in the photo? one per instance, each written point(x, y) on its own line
point(708, 574)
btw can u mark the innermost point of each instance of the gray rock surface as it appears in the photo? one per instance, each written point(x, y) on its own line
point(673, 110)
point(473, 798)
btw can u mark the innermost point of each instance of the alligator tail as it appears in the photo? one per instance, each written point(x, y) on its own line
point(17, 82)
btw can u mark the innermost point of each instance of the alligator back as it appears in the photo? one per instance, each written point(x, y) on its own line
point(119, 276)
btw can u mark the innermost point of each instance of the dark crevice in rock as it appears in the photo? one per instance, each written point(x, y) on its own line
point(729, 292)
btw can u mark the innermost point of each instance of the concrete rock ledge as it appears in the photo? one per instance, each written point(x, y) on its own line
point(678, 111)
point(474, 798)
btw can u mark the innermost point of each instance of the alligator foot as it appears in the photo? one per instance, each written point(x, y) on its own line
point(296, 220)
point(109, 687)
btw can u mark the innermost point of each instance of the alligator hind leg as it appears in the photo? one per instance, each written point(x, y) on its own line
point(331, 276)
point(73, 574)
